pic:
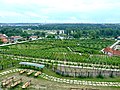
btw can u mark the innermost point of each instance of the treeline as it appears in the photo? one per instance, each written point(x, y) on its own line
point(71, 26)
point(74, 30)
point(12, 31)
point(98, 33)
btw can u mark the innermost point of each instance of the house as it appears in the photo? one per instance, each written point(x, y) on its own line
point(111, 51)
point(61, 31)
point(116, 47)
point(118, 38)
point(4, 38)
point(15, 38)
point(33, 37)
point(60, 37)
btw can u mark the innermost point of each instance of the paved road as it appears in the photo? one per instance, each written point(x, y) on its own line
point(13, 43)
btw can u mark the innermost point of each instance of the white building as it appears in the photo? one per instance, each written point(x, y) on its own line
point(118, 38)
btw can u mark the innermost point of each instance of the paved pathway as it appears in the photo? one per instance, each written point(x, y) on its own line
point(16, 43)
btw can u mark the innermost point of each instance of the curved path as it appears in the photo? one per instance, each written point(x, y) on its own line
point(79, 82)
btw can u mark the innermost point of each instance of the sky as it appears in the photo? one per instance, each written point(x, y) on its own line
point(59, 11)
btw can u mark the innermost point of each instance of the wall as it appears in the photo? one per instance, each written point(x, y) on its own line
point(79, 72)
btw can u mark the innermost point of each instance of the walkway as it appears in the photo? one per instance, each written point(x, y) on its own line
point(12, 43)
point(79, 82)
point(16, 43)
point(115, 44)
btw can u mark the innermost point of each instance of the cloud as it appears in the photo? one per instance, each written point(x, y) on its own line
point(65, 5)
point(61, 10)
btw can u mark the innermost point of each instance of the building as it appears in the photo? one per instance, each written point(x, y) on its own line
point(4, 38)
point(111, 51)
point(32, 65)
point(118, 38)
point(61, 31)
point(117, 47)
point(33, 37)
point(15, 38)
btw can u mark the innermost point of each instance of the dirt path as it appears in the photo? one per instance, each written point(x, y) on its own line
point(42, 84)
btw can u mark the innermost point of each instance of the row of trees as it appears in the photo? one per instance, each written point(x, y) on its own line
point(72, 26)
point(12, 31)
point(95, 33)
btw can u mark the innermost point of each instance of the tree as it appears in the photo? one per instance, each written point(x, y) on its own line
point(51, 36)
point(58, 32)
point(1, 42)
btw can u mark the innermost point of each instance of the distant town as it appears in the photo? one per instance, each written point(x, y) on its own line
point(12, 32)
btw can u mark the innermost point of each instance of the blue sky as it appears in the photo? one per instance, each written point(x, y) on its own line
point(59, 11)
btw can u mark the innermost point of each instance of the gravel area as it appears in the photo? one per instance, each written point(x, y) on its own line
point(42, 84)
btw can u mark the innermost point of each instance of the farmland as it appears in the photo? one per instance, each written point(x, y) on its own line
point(86, 51)
point(54, 54)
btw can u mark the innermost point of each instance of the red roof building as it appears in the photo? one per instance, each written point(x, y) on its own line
point(3, 38)
point(111, 51)
point(15, 38)
point(33, 37)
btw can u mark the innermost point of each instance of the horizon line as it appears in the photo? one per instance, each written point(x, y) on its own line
point(53, 23)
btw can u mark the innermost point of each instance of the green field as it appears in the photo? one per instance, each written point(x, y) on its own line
point(75, 52)
point(65, 50)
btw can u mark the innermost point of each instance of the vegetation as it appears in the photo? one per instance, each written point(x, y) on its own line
point(11, 31)
point(76, 50)
point(72, 30)
point(7, 62)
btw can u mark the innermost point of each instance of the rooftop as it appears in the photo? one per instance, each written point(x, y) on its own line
point(32, 64)
point(112, 51)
